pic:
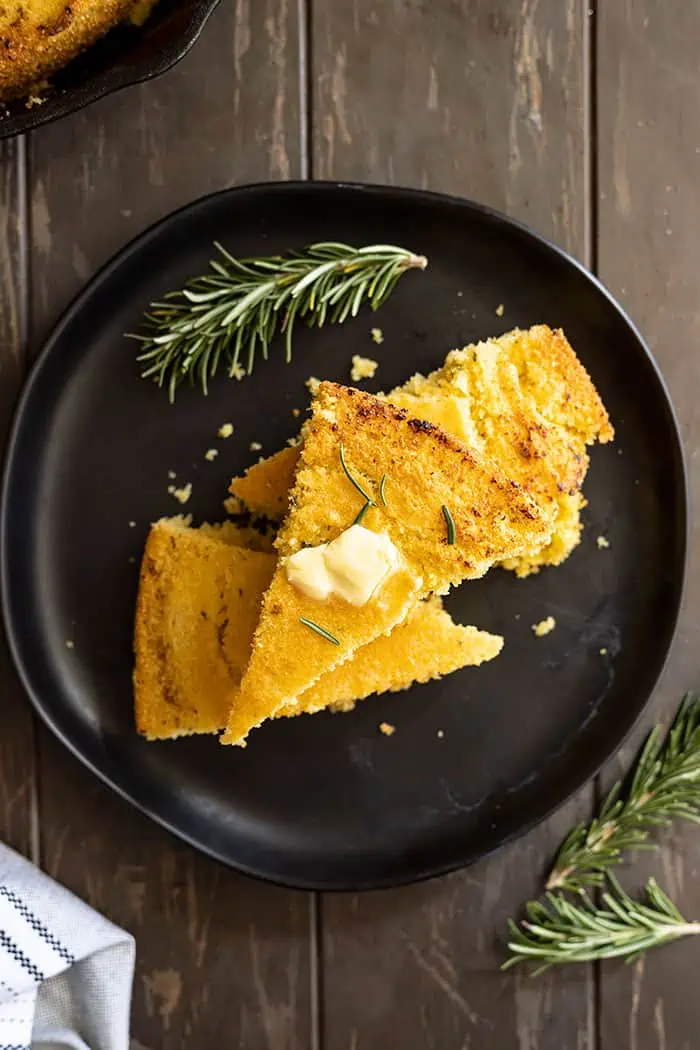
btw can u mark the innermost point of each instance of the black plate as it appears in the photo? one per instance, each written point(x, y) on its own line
point(328, 801)
point(126, 55)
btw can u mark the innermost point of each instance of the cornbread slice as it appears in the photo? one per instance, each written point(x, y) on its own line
point(426, 470)
point(524, 399)
point(199, 604)
point(428, 644)
point(40, 36)
point(265, 487)
point(190, 652)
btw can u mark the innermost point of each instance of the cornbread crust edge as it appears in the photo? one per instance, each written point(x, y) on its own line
point(426, 469)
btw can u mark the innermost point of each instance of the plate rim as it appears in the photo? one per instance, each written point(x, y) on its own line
point(425, 871)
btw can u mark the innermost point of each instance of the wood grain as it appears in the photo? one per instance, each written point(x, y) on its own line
point(17, 783)
point(222, 961)
point(486, 101)
point(649, 150)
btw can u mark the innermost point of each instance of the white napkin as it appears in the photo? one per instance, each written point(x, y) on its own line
point(65, 971)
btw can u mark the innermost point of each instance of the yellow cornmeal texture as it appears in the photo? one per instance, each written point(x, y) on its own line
point(528, 401)
point(40, 36)
point(189, 691)
point(426, 469)
point(189, 652)
point(524, 398)
point(265, 487)
point(428, 644)
point(236, 535)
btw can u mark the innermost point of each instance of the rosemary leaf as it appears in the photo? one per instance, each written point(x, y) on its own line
point(382, 486)
point(319, 630)
point(361, 516)
point(352, 480)
point(449, 521)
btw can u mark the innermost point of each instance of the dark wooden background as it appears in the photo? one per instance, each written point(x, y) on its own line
point(579, 117)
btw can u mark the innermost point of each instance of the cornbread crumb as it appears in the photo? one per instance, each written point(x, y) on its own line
point(225, 430)
point(440, 734)
point(312, 384)
point(238, 372)
point(34, 100)
point(603, 652)
point(70, 644)
point(295, 413)
point(377, 335)
point(387, 728)
point(362, 368)
point(294, 441)
point(183, 494)
point(172, 475)
point(500, 310)
point(544, 626)
point(171, 489)
point(603, 542)
point(132, 524)
point(255, 446)
point(211, 454)
point(234, 505)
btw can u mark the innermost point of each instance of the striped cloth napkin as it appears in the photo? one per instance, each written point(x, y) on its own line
point(65, 971)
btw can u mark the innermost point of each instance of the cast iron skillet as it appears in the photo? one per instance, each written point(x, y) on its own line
point(477, 758)
point(126, 55)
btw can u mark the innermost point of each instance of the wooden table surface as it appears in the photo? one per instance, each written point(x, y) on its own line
point(579, 117)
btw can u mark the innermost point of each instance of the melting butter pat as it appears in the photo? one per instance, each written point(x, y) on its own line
point(351, 567)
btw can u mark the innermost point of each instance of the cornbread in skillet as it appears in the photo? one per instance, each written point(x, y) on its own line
point(38, 37)
point(524, 399)
point(426, 470)
point(198, 607)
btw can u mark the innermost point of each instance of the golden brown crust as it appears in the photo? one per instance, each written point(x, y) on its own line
point(425, 470)
point(524, 399)
point(38, 37)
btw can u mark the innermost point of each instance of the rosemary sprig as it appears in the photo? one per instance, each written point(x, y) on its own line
point(561, 930)
point(319, 630)
point(229, 313)
point(449, 521)
point(664, 784)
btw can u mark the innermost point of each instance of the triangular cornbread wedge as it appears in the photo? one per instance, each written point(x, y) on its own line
point(427, 645)
point(265, 487)
point(426, 470)
point(524, 398)
point(199, 604)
